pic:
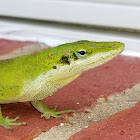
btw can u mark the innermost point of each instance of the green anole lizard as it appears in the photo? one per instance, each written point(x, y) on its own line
point(36, 76)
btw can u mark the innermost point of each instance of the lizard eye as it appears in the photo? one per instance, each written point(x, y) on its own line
point(80, 53)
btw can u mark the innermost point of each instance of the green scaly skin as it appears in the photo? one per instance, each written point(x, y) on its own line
point(34, 77)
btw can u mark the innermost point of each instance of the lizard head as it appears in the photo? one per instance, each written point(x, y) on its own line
point(83, 55)
point(74, 58)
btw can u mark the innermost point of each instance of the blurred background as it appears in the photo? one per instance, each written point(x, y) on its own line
point(59, 21)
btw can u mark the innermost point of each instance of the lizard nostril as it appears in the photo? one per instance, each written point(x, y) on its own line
point(54, 67)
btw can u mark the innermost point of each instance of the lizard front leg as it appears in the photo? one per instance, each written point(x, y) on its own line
point(6, 122)
point(47, 113)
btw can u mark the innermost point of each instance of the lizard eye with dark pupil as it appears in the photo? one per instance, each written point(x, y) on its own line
point(82, 52)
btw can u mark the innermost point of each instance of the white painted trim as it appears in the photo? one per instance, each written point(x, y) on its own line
point(125, 2)
point(82, 12)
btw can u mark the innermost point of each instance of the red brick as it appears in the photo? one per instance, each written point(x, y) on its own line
point(124, 125)
point(7, 46)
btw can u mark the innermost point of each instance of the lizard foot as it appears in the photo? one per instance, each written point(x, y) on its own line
point(5, 122)
point(56, 114)
point(47, 113)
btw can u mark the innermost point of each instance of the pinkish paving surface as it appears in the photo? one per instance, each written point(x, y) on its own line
point(115, 76)
point(124, 125)
point(6, 46)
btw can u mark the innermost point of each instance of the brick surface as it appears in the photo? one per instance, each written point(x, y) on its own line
point(6, 46)
point(124, 125)
point(111, 78)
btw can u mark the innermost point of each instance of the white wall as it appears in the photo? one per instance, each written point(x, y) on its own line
point(91, 12)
